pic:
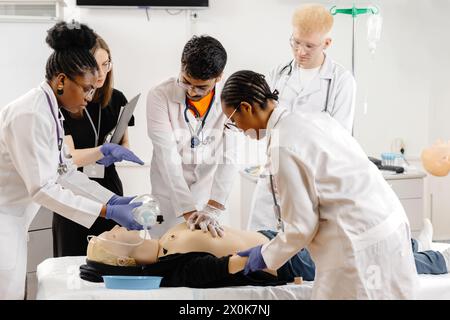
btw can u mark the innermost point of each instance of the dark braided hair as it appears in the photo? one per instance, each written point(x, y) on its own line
point(71, 44)
point(203, 58)
point(247, 86)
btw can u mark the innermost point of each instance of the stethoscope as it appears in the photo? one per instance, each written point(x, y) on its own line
point(195, 133)
point(289, 67)
point(96, 130)
point(280, 225)
point(277, 207)
point(62, 166)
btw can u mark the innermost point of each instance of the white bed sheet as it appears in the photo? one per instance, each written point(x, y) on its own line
point(58, 278)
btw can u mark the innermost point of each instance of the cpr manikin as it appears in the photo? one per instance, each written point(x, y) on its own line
point(183, 255)
point(121, 247)
point(435, 159)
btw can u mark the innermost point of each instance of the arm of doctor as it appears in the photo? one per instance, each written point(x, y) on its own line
point(165, 154)
point(29, 150)
point(299, 206)
point(86, 156)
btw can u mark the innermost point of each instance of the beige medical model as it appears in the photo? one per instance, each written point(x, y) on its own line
point(115, 247)
point(435, 159)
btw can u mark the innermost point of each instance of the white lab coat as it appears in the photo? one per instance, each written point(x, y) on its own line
point(332, 81)
point(336, 202)
point(180, 185)
point(29, 160)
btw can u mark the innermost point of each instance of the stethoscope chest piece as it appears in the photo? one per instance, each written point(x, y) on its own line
point(62, 168)
point(195, 141)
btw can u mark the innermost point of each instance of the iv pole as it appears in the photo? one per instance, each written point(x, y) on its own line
point(355, 12)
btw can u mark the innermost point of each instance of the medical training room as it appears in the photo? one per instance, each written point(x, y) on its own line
point(224, 150)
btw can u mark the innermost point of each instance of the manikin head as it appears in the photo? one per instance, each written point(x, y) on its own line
point(311, 27)
point(436, 159)
point(121, 247)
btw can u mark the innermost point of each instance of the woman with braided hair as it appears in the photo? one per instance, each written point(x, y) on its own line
point(35, 168)
point(329, 198)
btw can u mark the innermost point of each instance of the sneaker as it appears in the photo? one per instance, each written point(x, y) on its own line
point(425, 237)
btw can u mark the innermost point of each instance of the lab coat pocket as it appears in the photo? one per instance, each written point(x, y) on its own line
point(9, 238)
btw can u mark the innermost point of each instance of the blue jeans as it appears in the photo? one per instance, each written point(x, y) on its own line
point(301, 265)
point(428, 262)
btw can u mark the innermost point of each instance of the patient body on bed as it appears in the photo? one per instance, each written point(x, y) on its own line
point(196, 259)
point(183, 257)
point(178, 239)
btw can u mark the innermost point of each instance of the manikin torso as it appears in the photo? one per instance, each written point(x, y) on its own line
point(180, 239)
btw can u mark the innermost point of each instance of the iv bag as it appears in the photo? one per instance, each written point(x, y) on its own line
point(374, 24)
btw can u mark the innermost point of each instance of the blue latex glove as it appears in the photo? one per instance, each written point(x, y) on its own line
point(115, 199)
point(122, 214)
point(107, 161)
point(115, 153)
point(255, 260)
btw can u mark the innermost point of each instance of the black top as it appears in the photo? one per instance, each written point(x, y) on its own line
point(83, 134)
point(194, 269)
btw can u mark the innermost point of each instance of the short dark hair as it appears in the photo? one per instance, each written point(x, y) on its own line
point(247, 86)
point(203, 58)
point(71, 44)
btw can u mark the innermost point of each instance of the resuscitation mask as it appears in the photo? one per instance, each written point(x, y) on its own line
point(149, 213)
point(143, 234)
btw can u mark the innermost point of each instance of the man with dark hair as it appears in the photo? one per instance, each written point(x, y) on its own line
point(192, 169)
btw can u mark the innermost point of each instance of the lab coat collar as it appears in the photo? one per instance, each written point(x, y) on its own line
point(325, 72)
point(277, 114)
point(178, 93)
point(46, 88)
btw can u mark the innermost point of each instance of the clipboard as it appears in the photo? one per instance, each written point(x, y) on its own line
point(126, 112)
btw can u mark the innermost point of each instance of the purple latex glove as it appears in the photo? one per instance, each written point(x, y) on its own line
point(115, 153)
point(255, 260)
point(122, 214)
point(107, 161)
point(115, 199)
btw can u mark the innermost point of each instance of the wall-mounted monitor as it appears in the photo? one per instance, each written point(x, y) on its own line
point(145, 3)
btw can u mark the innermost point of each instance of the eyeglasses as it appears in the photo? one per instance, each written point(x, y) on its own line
point(229, 124)
point(187, 86)
point(307, 47)
point(107, 66)
point(88, 92)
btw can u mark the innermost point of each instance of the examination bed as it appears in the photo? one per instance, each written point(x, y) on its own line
point(58, 278)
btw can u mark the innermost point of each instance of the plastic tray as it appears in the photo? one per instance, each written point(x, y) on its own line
point(132, 282)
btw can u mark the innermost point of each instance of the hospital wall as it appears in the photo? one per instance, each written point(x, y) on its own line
point(404, 84)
